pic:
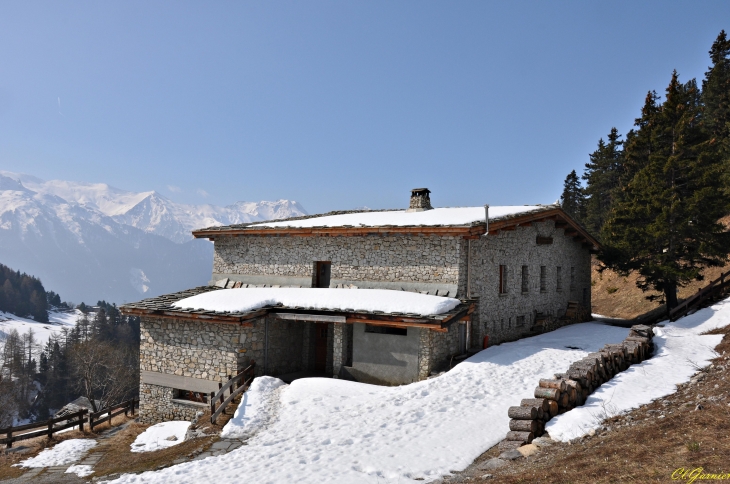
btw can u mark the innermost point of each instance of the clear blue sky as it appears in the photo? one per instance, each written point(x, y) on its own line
point(334, 104)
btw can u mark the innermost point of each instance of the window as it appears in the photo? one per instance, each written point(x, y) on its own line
point(190, 396)
point(520, 321)
point(544, 240)
point(369, 328)
point(572, 278)
point(559, 279)
point(543, 279)
point(525, 281)
point(502, 279)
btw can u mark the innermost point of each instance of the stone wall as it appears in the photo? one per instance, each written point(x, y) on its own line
point(156, 405)
point(212, 352)
point(500, 315)
point(436, 350)
point(429, 259)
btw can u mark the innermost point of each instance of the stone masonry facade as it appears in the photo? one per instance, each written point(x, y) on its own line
point(556, 273)
point(212, 351)
point(373, 258)
point(542, 270)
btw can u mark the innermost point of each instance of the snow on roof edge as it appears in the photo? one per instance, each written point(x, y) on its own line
point(273, 224)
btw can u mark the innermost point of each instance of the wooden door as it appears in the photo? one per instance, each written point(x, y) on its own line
point(320, 346)
point(322, 273)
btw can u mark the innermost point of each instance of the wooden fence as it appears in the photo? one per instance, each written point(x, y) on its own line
point(47, 428)
point(76, 419)
point(236, 385)
point(716, 287)
point(108, 413)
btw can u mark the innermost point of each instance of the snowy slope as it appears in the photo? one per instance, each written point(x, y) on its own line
point(93, 241)
point(58, 320)
point(326, 430)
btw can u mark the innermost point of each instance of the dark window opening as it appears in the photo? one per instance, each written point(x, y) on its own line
point(189, 395)
point(369, 328)
point(502, 279)
point(543, 279)
point(559, 279)
point(544, 240)
point(322, 271)
point(525, 280)
point(572, 278)
point(520, 321)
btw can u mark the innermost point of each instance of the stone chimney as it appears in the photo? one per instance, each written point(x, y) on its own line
point(420, 200)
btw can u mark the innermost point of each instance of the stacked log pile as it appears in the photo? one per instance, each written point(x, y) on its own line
point(565, 391)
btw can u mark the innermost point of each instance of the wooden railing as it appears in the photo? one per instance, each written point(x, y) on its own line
point(236, 385)
point(106, 415)
point(76, 419)
point(715, 287)
point(47, 428)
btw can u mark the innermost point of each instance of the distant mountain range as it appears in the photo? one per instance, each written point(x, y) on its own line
point(91, 241)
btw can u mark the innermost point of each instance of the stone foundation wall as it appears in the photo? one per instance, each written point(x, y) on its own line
point(156, 405)
point(213, 351)
point(373, 258)
point(436, 350)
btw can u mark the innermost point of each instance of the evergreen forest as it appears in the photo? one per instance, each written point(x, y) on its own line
point(654, 197)
point(98, 358)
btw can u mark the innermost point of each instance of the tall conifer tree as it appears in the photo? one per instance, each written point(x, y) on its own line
point(716, 100)
point(573, 200)
point(665, 226)
point(602, 181)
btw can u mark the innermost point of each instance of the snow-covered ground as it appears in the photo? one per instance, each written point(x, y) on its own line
point(326, 430)
point(160, 436)
point(66, 452)
point(387, 301)
point(57, 320)
point(680, 351)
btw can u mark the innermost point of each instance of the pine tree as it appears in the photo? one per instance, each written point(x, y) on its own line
point(716, 100)
point(665, 226)
point(573, 200)
point(602, 181)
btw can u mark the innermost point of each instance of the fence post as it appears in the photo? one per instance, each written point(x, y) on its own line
point(10, 438)
point(81, 420)
point(220, 385)
point(50, 428)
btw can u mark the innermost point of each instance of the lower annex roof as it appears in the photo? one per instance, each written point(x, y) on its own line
point(164, 307)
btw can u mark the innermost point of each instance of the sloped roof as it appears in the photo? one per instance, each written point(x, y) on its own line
point(164, 306)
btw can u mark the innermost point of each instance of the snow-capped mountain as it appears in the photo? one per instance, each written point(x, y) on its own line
point(93, 241)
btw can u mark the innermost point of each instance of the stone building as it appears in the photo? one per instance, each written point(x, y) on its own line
point(505, 272)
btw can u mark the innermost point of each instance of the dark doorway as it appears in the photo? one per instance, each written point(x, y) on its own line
point(322, 270)
point(320, 346)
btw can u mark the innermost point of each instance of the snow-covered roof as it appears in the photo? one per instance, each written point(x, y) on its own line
point(437, 219)
point(402, 218)
point(385, 305)
point(243, 300)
